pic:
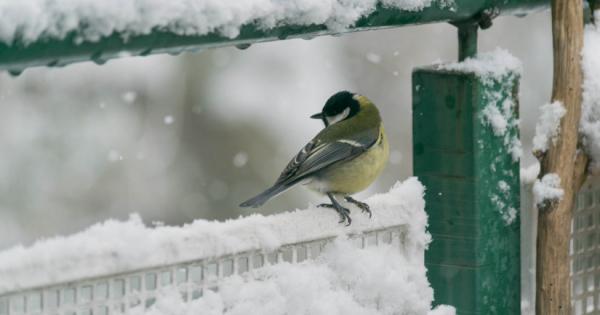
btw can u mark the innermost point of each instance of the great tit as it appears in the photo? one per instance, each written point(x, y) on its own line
point(341, 160)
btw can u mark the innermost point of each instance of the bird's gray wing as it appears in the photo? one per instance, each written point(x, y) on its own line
point(316, 155)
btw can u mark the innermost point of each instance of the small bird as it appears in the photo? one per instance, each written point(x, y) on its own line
point(341, 160)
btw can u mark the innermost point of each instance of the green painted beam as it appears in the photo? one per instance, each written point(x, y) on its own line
point(59, 52)
point(473, 186)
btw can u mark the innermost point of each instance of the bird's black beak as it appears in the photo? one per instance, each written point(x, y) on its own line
point(317, 116)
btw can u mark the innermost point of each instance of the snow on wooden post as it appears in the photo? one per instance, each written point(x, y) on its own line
point(466, 152)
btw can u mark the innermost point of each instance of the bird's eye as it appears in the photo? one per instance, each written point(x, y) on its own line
point(339, 117)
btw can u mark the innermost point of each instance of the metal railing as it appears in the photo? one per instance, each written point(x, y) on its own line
point(48, 51)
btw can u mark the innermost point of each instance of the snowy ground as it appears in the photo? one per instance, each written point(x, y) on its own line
point(344, 280)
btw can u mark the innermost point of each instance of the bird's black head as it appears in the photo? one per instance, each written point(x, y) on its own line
point(340, 106)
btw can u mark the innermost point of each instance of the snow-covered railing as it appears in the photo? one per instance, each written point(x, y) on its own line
point(118, 293)
point(51, 33)
point(123, 267)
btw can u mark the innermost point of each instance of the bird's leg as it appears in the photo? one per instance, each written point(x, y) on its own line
point(325, 205)
point(343, 212)
point(363, 206)
point(331, 206)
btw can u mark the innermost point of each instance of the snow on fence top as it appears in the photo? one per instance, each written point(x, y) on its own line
point(28, 21)
point(113, 247)
point(57, 33)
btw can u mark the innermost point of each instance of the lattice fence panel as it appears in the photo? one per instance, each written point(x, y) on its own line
point(585, 251)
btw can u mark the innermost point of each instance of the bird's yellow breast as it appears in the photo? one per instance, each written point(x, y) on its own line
point(357, 174)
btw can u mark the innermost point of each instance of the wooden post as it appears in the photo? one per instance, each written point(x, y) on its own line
point(562, 158)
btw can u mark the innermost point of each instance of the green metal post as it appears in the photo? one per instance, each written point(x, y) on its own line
point(467, 40)
point(473, 189)
point(594, 5)
point(589, 13)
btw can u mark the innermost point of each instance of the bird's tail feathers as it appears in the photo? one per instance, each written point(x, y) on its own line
point(263, 197)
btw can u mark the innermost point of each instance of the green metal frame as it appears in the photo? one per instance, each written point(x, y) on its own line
point(59, 52)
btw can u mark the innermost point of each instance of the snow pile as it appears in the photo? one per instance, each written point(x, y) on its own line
point(530, 173)
point(343, 280)
point(495, 68)
point(590, 111)
point(28, 21)
point(114, 247)
point(490, 66)
point(546, 129)
point(547, 189)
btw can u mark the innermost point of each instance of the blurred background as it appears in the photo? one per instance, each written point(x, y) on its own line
point(187, 137)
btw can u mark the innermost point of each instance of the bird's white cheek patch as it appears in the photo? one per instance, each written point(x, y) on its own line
point(339, 117)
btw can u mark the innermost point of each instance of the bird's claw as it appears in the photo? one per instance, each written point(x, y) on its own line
point(363, 206)
point(345, 217)
point(343, 212)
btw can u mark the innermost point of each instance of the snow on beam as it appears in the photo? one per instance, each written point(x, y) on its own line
point(116, 247)
point(48, 33)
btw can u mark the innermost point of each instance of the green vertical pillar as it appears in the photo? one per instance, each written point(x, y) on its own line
point(472, 182)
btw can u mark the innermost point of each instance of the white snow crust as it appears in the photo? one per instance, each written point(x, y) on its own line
point(590, 111)
point(547, 128)
point(497, 63)
point(32, 20)
point(119, 246)
point(547, 189)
